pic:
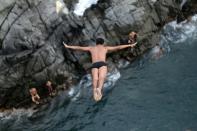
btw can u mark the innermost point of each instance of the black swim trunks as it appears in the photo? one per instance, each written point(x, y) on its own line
point(98, 64)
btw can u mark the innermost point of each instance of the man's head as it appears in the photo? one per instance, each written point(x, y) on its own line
point(33, 91)
point(99, 41)
point(48, 83)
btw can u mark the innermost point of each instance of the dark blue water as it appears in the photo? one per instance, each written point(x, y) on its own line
point(151, 95)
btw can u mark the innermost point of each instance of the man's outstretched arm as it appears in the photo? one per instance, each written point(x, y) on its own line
point(119, 47)
point(77, 47)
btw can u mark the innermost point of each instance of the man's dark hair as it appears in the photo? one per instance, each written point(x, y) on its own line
point(99, 41)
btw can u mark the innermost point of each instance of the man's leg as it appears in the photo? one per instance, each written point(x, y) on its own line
point(95, 82)
point(101, 79)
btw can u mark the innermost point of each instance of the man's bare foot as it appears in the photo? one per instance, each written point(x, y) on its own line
point(97, 94)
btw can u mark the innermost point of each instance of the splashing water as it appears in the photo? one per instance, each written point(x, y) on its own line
point(84, 88)
point(61, 7)
point(16, 114)
point(178, 33)
point(83, 5)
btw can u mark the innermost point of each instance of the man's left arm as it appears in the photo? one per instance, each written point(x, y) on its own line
point(119, 47)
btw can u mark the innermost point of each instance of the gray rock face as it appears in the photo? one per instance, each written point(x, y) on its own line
point(31, 35)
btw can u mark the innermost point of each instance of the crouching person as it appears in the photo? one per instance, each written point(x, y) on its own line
point(34, 95)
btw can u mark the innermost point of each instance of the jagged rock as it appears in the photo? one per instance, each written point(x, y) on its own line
point(31, 35)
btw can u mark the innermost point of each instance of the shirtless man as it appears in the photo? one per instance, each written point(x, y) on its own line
point(132, 37)
point(34, 95)
point(99, 65)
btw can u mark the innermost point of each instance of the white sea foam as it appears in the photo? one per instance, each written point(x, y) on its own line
point(82, 5)
point(84, 88)
point(194, 18)
point(61, 7)
point(16, 114)
point(179, 33)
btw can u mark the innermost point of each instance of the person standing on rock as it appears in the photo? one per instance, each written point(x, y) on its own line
point(99, 65)
point(49, 87)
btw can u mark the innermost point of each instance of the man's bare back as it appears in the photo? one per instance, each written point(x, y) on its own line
point(98, 53)
point(99, 67)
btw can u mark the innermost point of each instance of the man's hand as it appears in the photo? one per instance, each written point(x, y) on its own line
point(65, 45)
point(133, 45)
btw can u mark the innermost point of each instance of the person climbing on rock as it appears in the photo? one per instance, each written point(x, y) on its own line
point(49, 87)
point(99, 65)
point(132, 37)
point(34, 95)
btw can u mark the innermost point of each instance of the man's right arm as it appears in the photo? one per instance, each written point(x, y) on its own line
point(119, 47)
point(77, 47)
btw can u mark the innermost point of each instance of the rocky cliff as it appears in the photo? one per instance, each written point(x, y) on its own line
point(31, 35)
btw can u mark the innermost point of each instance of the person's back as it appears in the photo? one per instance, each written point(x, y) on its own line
point(98, 53)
